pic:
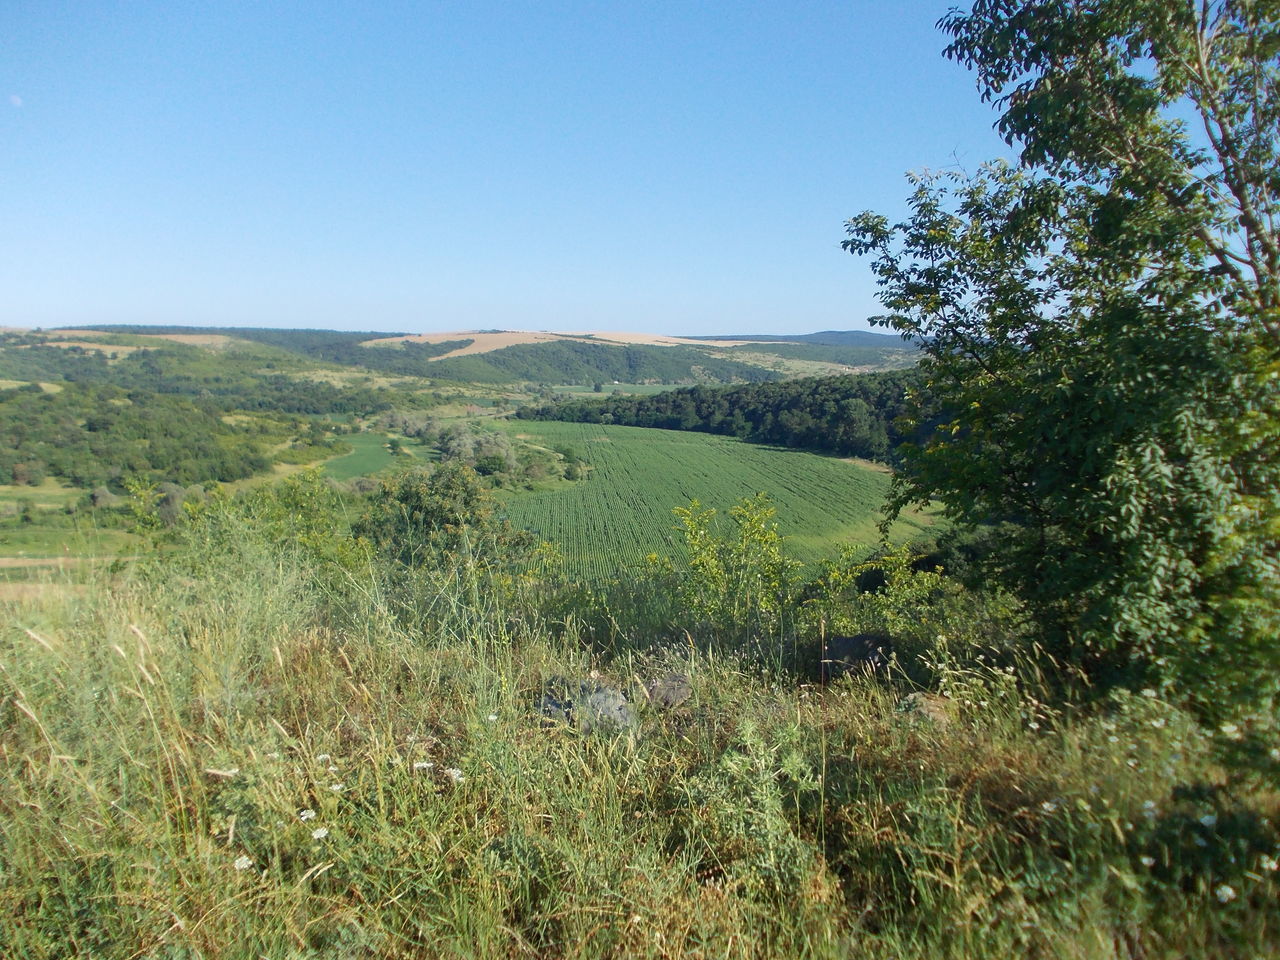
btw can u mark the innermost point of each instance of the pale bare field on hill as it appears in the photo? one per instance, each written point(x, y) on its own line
point(488, 342)
point(87, 344)
point(58, 339)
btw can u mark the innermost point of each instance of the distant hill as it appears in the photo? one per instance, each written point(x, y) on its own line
point(504, 356)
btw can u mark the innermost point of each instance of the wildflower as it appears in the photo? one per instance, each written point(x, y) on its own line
point(319, 833)
point(1113, 739)
point(1149, 809)
point(1049, 806)
point(305, 815)
point(1148, 692)
point(492, 717)
point(337, 787)
point(1268, 863)
point(323, 758)
point(1209, 820)
point(1231, 731)
point(243, 862)
point(1147, 861)
point(1158, 722)
point(423, 765)
point(455, 774)
point(333, 769)
point(1224, 892)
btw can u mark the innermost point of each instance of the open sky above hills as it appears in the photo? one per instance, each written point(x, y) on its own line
point(673, 167)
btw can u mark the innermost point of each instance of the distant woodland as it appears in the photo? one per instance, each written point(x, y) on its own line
point(850, 415)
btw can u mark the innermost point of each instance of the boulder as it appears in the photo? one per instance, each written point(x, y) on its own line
point(590, 706)
point(668, 691)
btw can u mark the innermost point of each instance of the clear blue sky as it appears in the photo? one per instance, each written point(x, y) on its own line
point(674, 167)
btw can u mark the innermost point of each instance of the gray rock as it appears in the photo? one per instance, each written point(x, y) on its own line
point(668, 691)
point(605, 709)
point(590, 706)
point(857, 653)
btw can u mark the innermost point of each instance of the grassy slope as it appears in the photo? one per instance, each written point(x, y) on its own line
point(225, 753)
point(622, 510)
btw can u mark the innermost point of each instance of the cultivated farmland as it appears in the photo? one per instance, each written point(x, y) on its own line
point(621, 511)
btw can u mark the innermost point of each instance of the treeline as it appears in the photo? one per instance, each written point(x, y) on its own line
point(93, 435)
point(846, 415)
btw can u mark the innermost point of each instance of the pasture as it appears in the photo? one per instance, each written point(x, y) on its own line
point(370, 456)
point(622, 509)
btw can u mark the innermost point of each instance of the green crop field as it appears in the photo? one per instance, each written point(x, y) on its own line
point(622, 510)
point(370, 456)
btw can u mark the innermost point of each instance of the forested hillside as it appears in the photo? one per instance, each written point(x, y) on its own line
point(89, 435)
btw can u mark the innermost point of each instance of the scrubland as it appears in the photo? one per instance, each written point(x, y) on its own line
point(265, 738)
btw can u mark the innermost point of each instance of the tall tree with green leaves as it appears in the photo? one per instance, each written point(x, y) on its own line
point(1100, 331)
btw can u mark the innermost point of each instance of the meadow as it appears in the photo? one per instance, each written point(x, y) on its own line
point(621, 510)
point(264, 741)
point(369, 457)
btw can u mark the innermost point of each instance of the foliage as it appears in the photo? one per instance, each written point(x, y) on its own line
point(1094, 328)
point(225, 751)
point(844, 415)
point(586, 362)
point(740, 584)
point(421, 518)
point(91, 435)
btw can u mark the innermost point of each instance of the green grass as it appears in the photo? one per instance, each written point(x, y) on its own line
point(369, 457)
point(38, 540)
point(621, 511)
point(229, 752)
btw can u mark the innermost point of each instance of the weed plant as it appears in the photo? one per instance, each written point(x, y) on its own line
point(267, 741)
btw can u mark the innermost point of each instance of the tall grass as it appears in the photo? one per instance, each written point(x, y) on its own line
point(238, 749)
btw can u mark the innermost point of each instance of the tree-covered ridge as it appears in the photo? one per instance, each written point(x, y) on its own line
point(849, 415)
point(568, 362)
point(233, 379)
point(345, 348)
point(92, 435)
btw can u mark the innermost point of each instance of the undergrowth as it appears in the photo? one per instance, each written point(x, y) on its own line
point(263, 742)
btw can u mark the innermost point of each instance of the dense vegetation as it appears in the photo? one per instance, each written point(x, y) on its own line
point(233, 379)
point(92, 435)
point(309, 723)
point(851, 416)
point(272, 738)
point(565, 362)
point(1101, 323)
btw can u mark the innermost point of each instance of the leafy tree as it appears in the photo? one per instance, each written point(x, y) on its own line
point(420, 518)
point(1101, 334)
